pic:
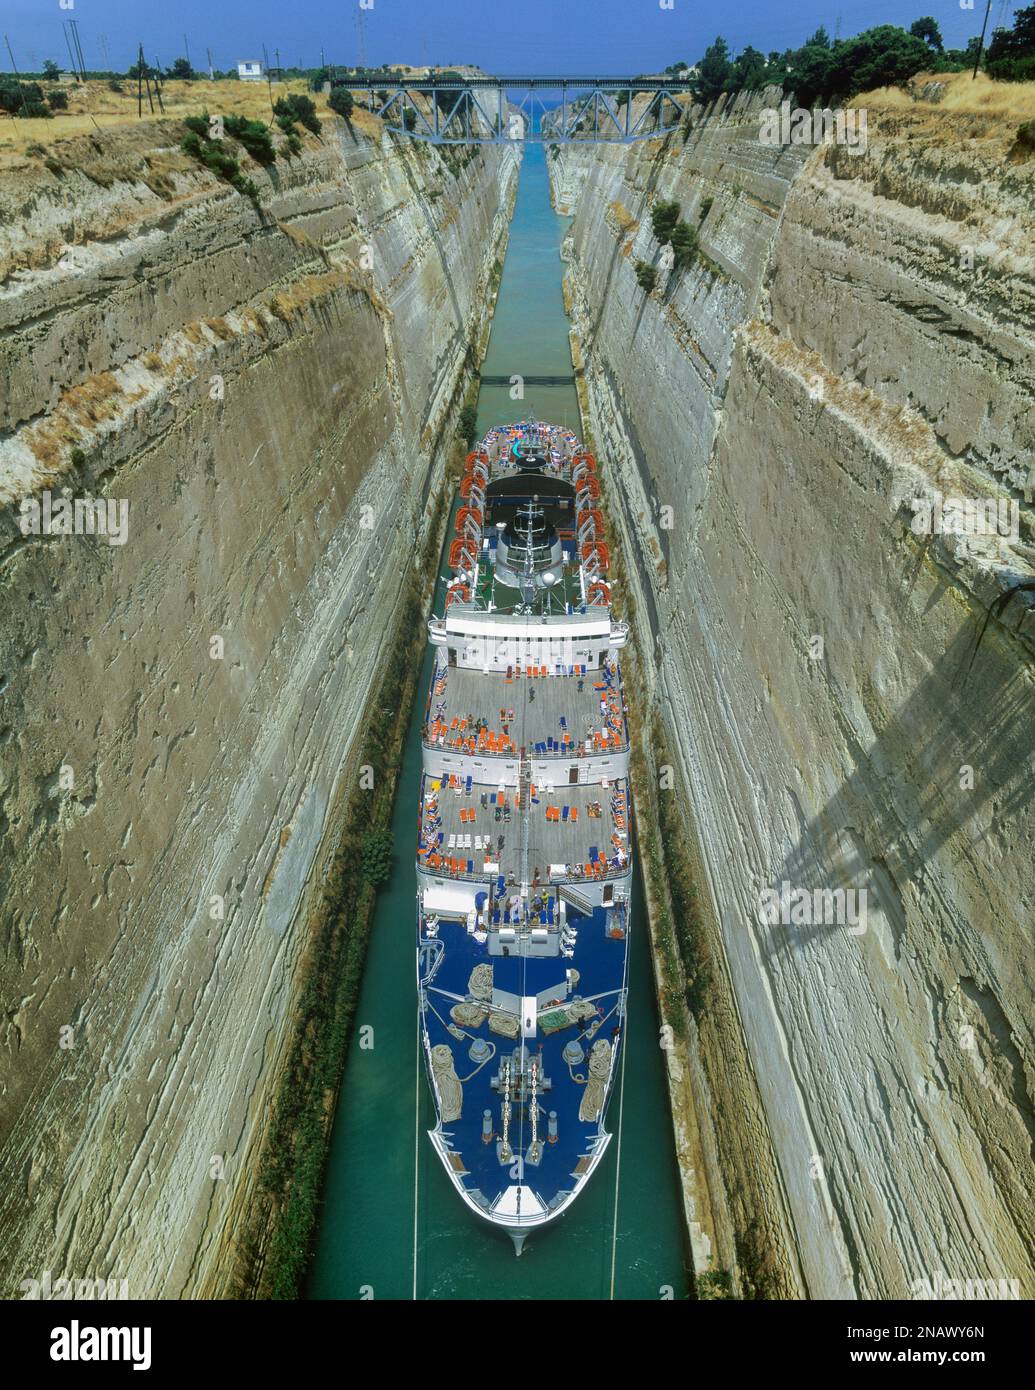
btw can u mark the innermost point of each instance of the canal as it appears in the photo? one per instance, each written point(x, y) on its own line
point(391, 1224)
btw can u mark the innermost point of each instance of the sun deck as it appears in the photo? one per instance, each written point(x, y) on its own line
point(554, 716)
point(564, 833)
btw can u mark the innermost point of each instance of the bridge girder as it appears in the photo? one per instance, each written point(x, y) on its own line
point(591, 110)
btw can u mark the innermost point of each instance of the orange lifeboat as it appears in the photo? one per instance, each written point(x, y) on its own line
point(460, 593)
point(587, 459)
point(589, 484)
point(599, 592)
point(466, 483)
point(476, 456)
point(596, 517)
point(458, 552)
point(600, 550)
point(465, 513)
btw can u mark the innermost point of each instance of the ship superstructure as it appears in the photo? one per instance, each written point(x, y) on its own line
point(524, 853)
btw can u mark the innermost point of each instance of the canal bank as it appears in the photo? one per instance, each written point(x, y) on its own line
point(391, 1225)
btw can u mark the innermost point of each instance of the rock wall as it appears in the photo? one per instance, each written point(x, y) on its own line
point(857, 332)
point(271, 390)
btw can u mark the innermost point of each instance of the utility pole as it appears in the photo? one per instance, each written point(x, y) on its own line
point(981, 42)
point(71, 55)
point(73, 25)
point(186, 49)
point(211, 70)
point(14, 65)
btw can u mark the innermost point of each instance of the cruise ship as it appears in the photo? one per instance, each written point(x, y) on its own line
point(524, 844)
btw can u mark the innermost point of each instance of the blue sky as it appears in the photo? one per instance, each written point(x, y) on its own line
point(508, 36)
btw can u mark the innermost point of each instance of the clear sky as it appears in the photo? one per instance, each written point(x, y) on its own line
point(503, 36)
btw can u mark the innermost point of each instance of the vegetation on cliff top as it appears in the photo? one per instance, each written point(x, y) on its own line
point(825, 69)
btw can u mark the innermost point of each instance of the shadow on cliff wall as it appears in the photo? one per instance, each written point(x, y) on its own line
point(986, 720)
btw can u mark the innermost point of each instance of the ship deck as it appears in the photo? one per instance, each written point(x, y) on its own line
point(549, 716)
point(600, 962)
point(471, 823)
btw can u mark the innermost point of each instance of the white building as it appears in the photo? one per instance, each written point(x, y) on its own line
point(250, 71)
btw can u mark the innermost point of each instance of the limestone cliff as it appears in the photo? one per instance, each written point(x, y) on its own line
point(271, 388)
point(855, 334)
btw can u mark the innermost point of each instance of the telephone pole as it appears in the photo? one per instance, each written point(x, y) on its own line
point(14, 65)
point(981, 42)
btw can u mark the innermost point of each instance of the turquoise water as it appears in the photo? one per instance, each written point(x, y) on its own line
point(392, 1226)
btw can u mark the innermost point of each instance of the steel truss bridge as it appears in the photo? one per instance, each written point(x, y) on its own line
point(509, 110)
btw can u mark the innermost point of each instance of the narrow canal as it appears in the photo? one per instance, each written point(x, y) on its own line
point(392, 1225)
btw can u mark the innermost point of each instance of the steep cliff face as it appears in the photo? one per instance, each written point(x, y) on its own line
point(268, 391)
point(856, 335)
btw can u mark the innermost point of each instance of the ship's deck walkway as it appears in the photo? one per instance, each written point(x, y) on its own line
point(566, 717)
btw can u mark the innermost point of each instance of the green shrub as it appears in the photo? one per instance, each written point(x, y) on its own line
point(253, 135)
point(341, 103)
point(684, 244)
point(705, 208)
point(57, 99)
point(35, 109)
point(300, 108)
point(376, 857)
point(663, 219)
point(467, 424)
point(410, 118)
point(646, 276)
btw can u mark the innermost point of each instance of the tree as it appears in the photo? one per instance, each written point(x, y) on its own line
point(51, 71)
point(340, 101)
point(646, 276)
point(410, 118)
point(663, 219)
point(181, 71)
point(1011, 54)
point(713, 72)
point(684, 244)
point(749, 72)
point(467, 425)
point(927, 29)
point(885, 56)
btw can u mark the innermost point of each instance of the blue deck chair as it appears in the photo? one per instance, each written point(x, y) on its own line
point(564, 812)
point(594, 854)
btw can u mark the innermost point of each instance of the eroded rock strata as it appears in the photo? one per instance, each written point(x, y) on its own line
point(856, 334)
point(271, 391)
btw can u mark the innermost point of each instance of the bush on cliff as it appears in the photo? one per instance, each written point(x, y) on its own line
point(253, 135)
point(684, 244)
point(300, 108)
point(376, 857)
point(663, 219)
point(341, 103)
point(646, 276)
point(467, 424)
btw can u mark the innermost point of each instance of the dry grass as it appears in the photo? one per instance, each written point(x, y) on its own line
point(93, 106)
point(1006, 101)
